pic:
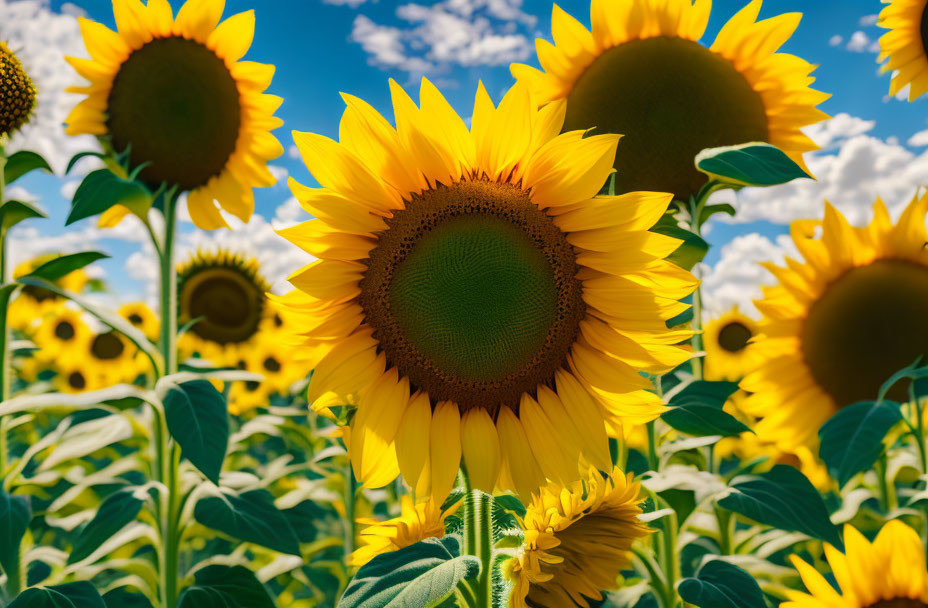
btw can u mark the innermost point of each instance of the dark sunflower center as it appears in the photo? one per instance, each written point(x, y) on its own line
point(176, 104)
point(671, 98)
point(923, 30)
point(39, 294)
point(107, 346)
point(64, 330)
point(251, 386)
point(17, 93)
point(77, 381)
point(271, 364)
point(869, 324)
point(473, 295)
point(228, 304)
point(734, 337)
point(899, 602)
point(135, 319)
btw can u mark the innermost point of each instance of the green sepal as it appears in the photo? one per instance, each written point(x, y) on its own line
point(751, 164)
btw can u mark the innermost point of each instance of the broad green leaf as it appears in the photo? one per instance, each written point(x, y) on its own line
point(752, 164)
point(116, 511)
point(225, 587)
point(912, 372)
point(102, 189)
point(15, 516)
point(249, 516)
point(123, 598)
point(70, 595)
point(852, 439)
point(783, 498)
point(417, 576)
point(21, 163)
point(697, 410)
point(692, 249)
point(304, 519)
point(199, 421)
point(13, 212)
point(719, 584)
point(704, 392)
point(64, 265)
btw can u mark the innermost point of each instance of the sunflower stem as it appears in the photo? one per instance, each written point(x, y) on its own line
point(918, 430)
point(4, 329)
point(351, 489)
point(695, 211)
point(478, 541)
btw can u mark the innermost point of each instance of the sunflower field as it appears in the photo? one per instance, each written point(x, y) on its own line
point(496, 382)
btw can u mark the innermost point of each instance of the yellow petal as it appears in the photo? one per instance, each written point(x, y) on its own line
point(480, 445)
point(444, 448)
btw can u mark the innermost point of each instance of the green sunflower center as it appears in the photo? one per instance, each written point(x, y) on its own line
point(671, 98)
point(17, 93)
point(107, 346)
point(869, 324)
point(64, 330)
point(227, 303)
point(77, 381)
point(472, 293)
point(175, 105)
point(899, 602)
point(734, 337)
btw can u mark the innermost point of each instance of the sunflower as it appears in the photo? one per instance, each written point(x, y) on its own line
point(224, 293)
point(271, 357)
point(17, 93)
point(32, 303)
point(726, 339)
point(61, 337)
point(643, 73)
point(887, 573)
point(577, 539)
point(75, 377)
point(112, 359)
point(415, 523)
point(904, 45)
point(176, 95)
point(840, 324)
point(141, 317)
point(474, 297)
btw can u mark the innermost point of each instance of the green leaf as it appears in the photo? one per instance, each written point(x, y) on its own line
point(13, 212)
point(510, 504)
point(852, 439)
point(101, 189)
point(690, 252)
point(710, 210)
point(697, 410)
point(249, 516)
point(21, 163)
point(81, 155)
point(116, 511)
point(417, 576)
point(783, 498)
point(121, 597)
point(15, 516)
point(304, 519)
point(912, 372)
point(199, 421)
point(752, 164)
point(64, 265)
point(70, 595)
point(719, 584)
point(225, 587)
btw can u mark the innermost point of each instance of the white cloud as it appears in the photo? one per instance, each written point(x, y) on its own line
point(838, 129)
point(919, 140)
point(350, 3)
point(860, 43)
point(868, 20)
point(289, 214)
point(280, 173)
point(293, 151)
point(835, 40)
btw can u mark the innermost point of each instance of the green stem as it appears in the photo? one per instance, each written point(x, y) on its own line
point(4, 329)
point(653, 462)
point(351, 488)
point(885, 497)
point(478, 541)
point(919, 432)
point(169, 286)
point(726, 530)
point(696, 207)
point(671, 565)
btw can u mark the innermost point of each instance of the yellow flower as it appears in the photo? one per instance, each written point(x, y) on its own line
point(726, 340)
point(415, 523)
point(642, 72)
point(176, 93)
point(577, 540)
point(270, 356)
point(112, 357)
point(904, 46)
point(474, 299)
point(32, 304)
point(17, 93)
point(887, 573)
point(142, 318)
point(74, 377)
point(61, 337)
point(840, 323)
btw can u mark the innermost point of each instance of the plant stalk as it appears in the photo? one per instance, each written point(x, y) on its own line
point(478, 541)
point(4, 326)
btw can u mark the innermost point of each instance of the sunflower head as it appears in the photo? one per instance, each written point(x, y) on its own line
point(641, 72)
point(578, 538)
point(416, 522)
point(61, 335)
point(841, 322)
point(176, 95)
point(141, 317)
point(17, 93)
point(727, 341)
point(904, 49)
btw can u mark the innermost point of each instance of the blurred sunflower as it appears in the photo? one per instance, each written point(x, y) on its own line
point(177, 95)
point(61, 337)
point(474, 297)
point(641, 72)
point(577, 539)
point(415, 523)
point(247, 396)
point(141, 317)
point(887, 573)
point(74, 377)
point(33, 303)
point(17, 93)
point(839, 325)
point(729, 356)
point(112, 358)
point(270, 356)
point(904, 45)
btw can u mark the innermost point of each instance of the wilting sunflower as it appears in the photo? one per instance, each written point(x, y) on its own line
point(111, 357)
point(143, 318)
point(726, 340)
point(643, 73)
point(473, 296)
point(577, 540)
point(904, 45)
point(416, 522)
point(224, 293)
point(887, 573)
point(177, 95)
point(17, 93)
point(840, 324)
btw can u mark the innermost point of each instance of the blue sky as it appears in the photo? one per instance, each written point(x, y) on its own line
point(321, 48)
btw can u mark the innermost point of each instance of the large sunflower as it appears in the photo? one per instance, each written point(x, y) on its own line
point(887, 573)
point(175, 93)
point(474, 297)
point(416, 522)
point(904, 46)
point(17, 93)
point(577, 539)
point(729, 353)
point(641, 72)
point(840, 324)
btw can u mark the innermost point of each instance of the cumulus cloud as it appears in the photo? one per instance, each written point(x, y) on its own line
point(868, 20)
point(835, 40)
point(860, 43)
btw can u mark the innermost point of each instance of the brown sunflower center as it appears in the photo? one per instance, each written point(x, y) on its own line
point(107, 346)
point(671, 98)
point(472, 293)
point(869, 324)
point(899, 602)
point(175, 105)
point(227, 303)
point(77, 381)
point(64, 330)
point(734, 337)
point(17, 93)
point(271, 364)
point(136, 319)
